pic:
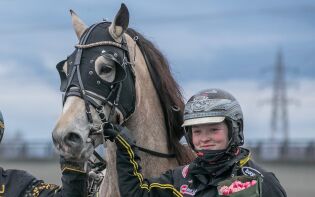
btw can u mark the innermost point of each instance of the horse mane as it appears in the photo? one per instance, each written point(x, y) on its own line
point(169, 93)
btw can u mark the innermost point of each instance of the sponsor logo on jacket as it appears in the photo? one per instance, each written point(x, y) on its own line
point(248, 171)
point(185, 190)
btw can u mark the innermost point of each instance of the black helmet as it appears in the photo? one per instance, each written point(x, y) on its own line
point(1, 126)
point(214, 106)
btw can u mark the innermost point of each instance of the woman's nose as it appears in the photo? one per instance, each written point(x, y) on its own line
point(205, 136)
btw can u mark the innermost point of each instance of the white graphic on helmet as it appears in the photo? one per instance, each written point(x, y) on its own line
point(203, 103)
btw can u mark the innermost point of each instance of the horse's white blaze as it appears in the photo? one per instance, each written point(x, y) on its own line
point(70, 101)
point(73, 119)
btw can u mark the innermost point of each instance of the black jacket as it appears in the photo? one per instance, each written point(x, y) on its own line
point(177, 182)
point(19, 183)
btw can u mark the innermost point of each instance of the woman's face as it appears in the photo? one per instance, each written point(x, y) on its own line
point(210, 136)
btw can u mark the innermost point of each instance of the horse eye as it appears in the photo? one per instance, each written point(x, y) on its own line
point(105, 69)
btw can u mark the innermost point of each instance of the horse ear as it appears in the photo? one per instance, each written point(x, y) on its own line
point(78, 24)
point(120, 23)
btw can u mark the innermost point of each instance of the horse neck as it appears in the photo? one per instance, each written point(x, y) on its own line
point(147, 124)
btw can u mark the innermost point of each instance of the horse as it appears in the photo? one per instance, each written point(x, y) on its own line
point(116, 75)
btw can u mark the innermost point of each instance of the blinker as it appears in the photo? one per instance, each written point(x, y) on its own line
point(120, 69)
point(62, 75)
point(78, 81)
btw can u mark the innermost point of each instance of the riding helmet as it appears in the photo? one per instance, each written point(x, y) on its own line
point(214, 106)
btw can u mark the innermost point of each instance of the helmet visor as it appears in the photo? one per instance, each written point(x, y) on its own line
point(204, 120)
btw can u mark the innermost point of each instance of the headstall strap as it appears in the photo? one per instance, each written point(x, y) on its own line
point(102, 43)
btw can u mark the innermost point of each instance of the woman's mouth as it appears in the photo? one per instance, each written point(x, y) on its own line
point(207, 146)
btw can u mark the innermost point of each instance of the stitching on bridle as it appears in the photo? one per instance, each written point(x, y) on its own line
point(95, 44)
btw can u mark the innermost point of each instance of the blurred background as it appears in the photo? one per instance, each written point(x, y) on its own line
point(260, 51)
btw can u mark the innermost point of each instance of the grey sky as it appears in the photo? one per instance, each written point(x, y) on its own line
point(226, 44)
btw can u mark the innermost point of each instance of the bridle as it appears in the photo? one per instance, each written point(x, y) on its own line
point(76, 84)
point(84, 83)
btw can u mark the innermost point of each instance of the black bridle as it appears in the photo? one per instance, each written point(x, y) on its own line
point(76, 84)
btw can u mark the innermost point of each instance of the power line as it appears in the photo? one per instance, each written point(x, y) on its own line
point(279, 115)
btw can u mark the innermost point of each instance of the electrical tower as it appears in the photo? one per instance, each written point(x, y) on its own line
point(279, 101)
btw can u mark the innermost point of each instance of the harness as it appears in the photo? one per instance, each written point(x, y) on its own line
point(82, 81)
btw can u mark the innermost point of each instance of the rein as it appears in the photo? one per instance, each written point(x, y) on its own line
point(155, 153)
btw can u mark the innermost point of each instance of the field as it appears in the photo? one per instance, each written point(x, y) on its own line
point(297, 179)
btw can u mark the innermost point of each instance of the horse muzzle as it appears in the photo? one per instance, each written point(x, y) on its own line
point(72, 146)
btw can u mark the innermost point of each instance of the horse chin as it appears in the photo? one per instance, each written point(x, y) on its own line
point(77, 155)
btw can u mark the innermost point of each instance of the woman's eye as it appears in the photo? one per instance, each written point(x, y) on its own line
point(105, 69)
point(196, 131)
point(214, 130)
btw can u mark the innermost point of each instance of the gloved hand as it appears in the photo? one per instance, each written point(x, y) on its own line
point(110, 131)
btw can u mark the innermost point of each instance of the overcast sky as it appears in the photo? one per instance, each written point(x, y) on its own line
point(224, 44)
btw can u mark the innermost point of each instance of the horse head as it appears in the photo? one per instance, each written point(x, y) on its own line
point(98, 84)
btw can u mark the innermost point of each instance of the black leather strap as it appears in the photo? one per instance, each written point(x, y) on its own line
point(157, 154)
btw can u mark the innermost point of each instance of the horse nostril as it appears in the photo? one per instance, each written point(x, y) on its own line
point(73, 139)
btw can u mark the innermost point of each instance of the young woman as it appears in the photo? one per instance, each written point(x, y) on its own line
point(213, 122)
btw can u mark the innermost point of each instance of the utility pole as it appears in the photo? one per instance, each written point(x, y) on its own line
point(279, 113)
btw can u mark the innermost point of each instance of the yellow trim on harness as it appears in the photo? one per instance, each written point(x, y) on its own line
point(140, 176)
point(245, 160)
point(2, 189)
point(72, 169)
